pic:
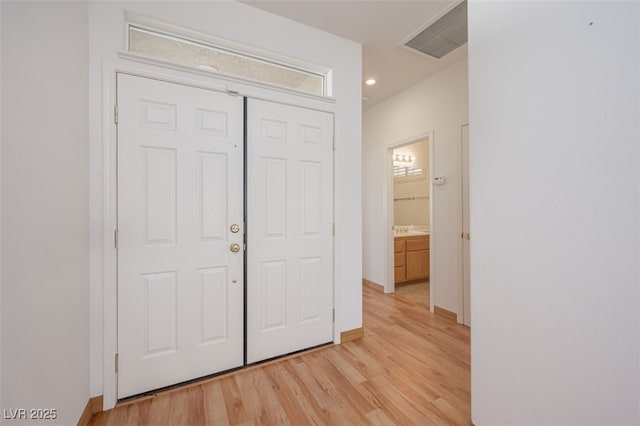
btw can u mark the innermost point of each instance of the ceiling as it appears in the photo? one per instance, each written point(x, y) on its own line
point(381, 27)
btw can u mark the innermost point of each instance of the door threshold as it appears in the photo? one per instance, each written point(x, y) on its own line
point(217, 376)
point(289, 355)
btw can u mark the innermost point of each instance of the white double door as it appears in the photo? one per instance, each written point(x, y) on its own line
point(181, 232)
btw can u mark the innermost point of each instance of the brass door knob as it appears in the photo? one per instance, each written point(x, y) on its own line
point(235, 228)
point(235, 248)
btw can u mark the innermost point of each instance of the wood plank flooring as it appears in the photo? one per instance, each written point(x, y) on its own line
point(410, 367)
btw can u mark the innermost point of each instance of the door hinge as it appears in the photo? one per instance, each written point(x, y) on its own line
point(334, 315)
point(334, 142)
point(334, 229)
point(117, 362)
point(115, 114)
point(115, 238)
point(244, 246)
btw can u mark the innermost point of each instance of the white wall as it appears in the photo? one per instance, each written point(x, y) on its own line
point(45, 234)
point(411, 212)
point(554, 121)
point(243, 24)
point(438, 103)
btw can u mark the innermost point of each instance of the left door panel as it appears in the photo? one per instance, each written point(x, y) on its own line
point(180, 190)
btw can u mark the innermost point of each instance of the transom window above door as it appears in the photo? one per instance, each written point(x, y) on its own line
point(208, 57)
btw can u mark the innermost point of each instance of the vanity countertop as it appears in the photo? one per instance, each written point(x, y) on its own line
point(413, 233)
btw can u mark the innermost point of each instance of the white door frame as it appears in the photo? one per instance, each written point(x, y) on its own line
point(388, 213)
point(465, 290)
point(180, 75)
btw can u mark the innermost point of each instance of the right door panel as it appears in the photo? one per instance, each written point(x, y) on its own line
point(289, 229)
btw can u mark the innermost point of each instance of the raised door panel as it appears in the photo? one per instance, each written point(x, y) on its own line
point(398, 246)
point(159, 194)
point(212, 196)
point(400, 274)
point(273, 193)
point(273, 295)
point(213, 312)
point(160, 308)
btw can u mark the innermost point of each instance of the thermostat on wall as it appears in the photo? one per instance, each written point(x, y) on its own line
point(439, 180)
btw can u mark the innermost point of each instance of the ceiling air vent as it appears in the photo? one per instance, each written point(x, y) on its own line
point(444, 35)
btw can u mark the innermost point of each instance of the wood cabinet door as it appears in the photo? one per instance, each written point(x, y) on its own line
point(417, 243)
point(400, 274)
point(417, 264)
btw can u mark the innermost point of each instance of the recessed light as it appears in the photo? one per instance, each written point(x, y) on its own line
point(208, 68)
point(370, 82)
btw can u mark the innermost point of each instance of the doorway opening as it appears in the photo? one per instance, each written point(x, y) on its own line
point(410, 219)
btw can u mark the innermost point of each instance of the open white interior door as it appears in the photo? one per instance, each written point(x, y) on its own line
point(290, 229)
point(466, 236)
point(180, 190)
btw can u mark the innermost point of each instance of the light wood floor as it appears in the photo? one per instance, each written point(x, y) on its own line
point(409, 368)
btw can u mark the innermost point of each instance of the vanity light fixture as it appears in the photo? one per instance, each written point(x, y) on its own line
point(403, 158)
point(370, 82)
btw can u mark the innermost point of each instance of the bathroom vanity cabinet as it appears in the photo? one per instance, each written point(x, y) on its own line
point(411, 256)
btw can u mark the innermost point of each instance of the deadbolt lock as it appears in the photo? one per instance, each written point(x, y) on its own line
point(235, 228)
point(235, 247)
